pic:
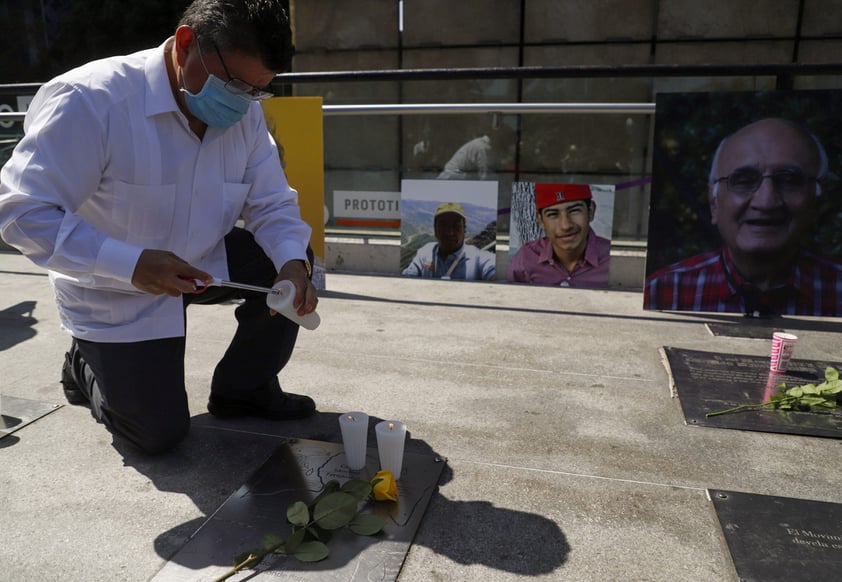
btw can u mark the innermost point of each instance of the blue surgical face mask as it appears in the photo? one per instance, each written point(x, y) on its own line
point(216, 105)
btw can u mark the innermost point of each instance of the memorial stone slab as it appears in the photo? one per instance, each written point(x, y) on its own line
point(19, 412)
point(780, 539)
point(708, 382)
point(298, 471)
point(743, 330)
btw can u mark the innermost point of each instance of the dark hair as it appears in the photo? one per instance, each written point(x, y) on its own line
point(254, 27)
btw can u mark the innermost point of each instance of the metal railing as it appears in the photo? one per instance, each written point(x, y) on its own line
point(784, 72)
point(508, 108)
point(457, 108)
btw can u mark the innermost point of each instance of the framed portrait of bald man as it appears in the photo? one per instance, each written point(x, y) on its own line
point(746, 204)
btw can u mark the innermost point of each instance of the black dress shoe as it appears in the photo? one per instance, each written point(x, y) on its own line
point(274, 405)
point(72, 392)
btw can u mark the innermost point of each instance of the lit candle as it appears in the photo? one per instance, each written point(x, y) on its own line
point(390, 438)
point(354, 427)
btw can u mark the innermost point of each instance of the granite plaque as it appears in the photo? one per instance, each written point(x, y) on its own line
point(743, 329)
point(297, 471)
point(19, 412)
point(773, 539)
point(708, 382)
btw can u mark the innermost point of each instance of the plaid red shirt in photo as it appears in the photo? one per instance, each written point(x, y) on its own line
point(711, 282)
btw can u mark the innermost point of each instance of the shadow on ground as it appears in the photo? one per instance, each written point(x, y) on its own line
point(17, 323)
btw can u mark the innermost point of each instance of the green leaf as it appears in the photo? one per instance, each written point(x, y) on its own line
point(357, 488)
point(298, 514)
point(331, 486)
point(812, 400)
point(319, 533)
point(783, 401)
point(312, 552)
point(367, 524)
point(796, 391)
point(335, 511)
point(831, 374)
point(271, 542)
point(294, 540)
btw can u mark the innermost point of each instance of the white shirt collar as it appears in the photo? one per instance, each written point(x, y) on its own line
point(159, 94)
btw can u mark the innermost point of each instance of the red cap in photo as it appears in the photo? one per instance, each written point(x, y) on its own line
point(552, 194)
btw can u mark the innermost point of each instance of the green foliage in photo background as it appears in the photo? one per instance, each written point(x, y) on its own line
point(689, 127)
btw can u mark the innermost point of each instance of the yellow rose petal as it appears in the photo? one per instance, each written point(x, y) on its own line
point(386, 489)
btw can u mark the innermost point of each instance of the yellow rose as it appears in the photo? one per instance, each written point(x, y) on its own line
point(386, 489)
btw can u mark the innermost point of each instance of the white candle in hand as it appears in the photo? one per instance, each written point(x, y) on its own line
point(390, 438)
point(282, 303)
point(354, 426)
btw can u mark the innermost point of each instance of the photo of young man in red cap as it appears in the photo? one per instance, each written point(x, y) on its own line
point(570, 254)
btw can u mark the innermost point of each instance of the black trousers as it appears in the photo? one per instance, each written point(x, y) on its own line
point(137, 389)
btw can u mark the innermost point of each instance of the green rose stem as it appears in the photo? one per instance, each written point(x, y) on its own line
point(770, 404)
point(252, 560)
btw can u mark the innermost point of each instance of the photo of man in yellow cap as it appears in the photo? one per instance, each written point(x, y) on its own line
point(449, 256)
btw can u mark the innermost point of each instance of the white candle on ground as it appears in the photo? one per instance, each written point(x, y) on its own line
point(390, 440)
point(354, 427)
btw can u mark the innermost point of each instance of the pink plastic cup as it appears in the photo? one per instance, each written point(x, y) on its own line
point(782, 346)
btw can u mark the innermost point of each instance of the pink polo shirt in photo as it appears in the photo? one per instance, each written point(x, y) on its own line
point(534, 263)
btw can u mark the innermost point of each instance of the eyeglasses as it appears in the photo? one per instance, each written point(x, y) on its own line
point(237, 86)
point(240, 87)
point(787, 181)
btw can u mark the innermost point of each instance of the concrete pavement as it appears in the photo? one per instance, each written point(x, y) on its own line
point(568, 459)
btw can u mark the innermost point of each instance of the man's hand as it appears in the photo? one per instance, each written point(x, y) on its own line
point(162, 272)
point(305, 292)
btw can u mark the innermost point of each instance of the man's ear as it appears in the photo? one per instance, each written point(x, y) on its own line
point(185, 38)
point(713, 201)
point(591, 211)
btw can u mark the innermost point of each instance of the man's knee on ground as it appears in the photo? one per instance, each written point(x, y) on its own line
point(158, 437)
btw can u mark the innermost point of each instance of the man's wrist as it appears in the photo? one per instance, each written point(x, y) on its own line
point(291, 268)
point(308, 267)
